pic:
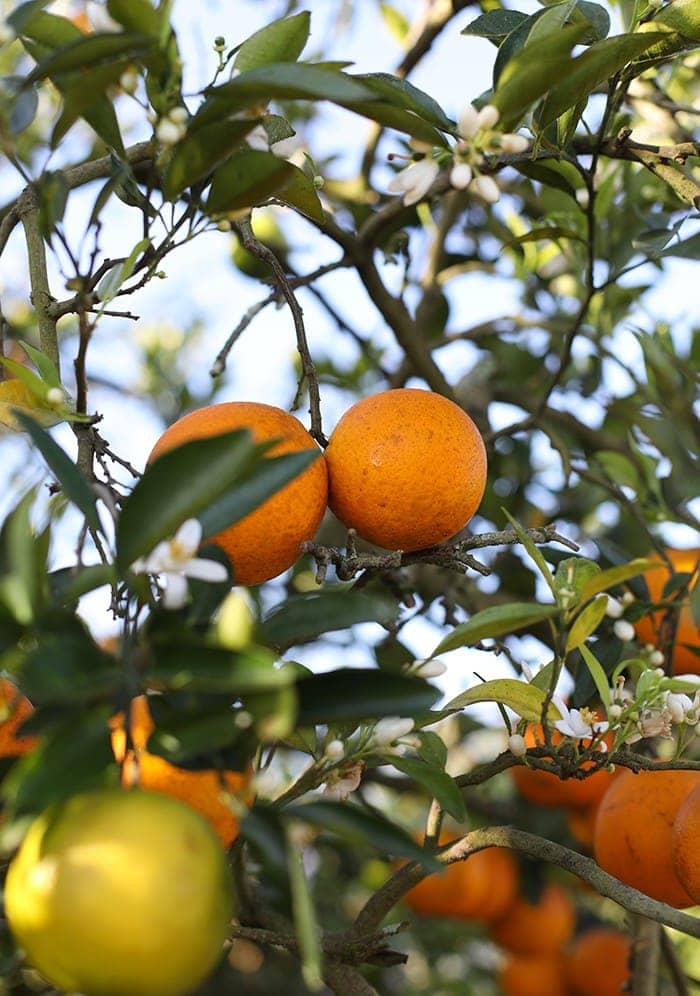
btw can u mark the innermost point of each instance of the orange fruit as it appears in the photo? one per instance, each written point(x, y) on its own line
point(480, 888)
point(685, 844)
point(266, 542)
point(633, 829)
point(581, 824)
point(203, 790)
point(648, 628)
point(532, 975)
point(537, 928)
point(14, 710)
point(547, 789)
point(406, 469)
point(597, 963)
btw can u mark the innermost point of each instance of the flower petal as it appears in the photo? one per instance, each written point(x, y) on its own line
point(175, 594)
point(189, 535)
point(205, 570)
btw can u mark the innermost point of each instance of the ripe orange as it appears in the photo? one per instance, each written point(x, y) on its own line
point(406, 469)
point(597, 963)
point(532, 975)
point(265, 542)
point(685, 844)
point(16, 708)
point(547, 789)
point(581, 824)
point(480, 888)
point(648, 628)
point(537, 928)
point(203, 790)
point(632, 839)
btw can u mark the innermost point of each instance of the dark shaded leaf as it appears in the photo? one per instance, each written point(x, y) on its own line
point(355, 694)
point(68, 584)
point(395, 90)
point(200, 668)
point(135, 15)
point(546, 176)
point(398, 118)
point(93, 50)
point(495, 24)
point(440, 785)
point(246, 179)
point(202, 150)
point(304, 617)
point(300, 193)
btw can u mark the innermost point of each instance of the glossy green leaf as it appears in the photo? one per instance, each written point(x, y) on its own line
point(533, 71)
point(197, 732)
point(589, 70)
point(43, 363)
point(93, 50)
point(598, 18)
point(597, 673)
point(113, 280)
point(497, 620)
point(433, 748)
point(202, 150)
point(391, 116)
point(300, 193)
point(301, 618)
point(180, 485)
point(25, 13)
point(136, 15)
point(281, 41)
point(683, 16)
point(72, 482)
point(356, 694)
point(547, 175)
point(395, 90)
point(586, 623)
point(524, 699)
point(572, 574)
point(249, 177)
point(254, 487)
point(495, 24)
point(283, 81)
point(615, 575)
point(441, 786)
point(201, 668)
point(68, 584)
point(84, 96)
point(533, 550)
point(66, 667)
point(350, 821)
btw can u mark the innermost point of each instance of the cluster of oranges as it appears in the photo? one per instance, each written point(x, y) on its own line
point(405, 468)
point(540, 953)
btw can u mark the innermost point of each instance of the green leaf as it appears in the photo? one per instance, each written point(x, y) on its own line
point(192, 731)
point(281, 41)
point(249, 177)
point(524, 699)
point(597, 673)
point(180, 485)
point(350, 821)
point(597, 17)
point(136, 15)
point(433, 748)
point(533, 550)
point(301, 618)
point(687, 249)
point(22, 15)
point(48, 30)
point(356, 694)
point(497, 620)
point(573, 573)
point(396, 117)
point(66, 667)
point(190, 664)
point(533, 71)
point(396, 22)
point(43, 363)
point(548, 232)
point(616, 575)
point(202, 150)
point(254, 487)
point(68, 584)
point(306, 927)
point(495, 24)
point(394, 90)
point(23, 557)
point(72, 482)
point(283, 81)
point(111, 283)
point(439, 784)
point(86, 52)
point(74, 757)
point(548, 177)
point(277, 128)
point(300, 193)
point(683, 16)
point(598, 64)
point(84, 96)
point(586, 622)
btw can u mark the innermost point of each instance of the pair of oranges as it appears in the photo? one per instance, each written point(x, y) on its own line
point(406, 468)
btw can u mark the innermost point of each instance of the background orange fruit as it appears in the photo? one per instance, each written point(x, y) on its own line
point(482, 887)
point(597, 963)
point(204, 790)
point(406, 469)
point(265, 542)
point(537, 928)
point(15, 708)
point(532, 975)
point(547, 789)
point(632, 838)
point(647, 628)
point(685, 844)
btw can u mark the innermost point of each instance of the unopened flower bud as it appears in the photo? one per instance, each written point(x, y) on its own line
point(178, 115)
point(488, 116)
point(461, 176)
point(7, 35)
point(517, 745)
point(335, 750)
point(168, 133)
point(55, 396)
point(627, 598)
point(656, 658)
point(468, 122)
point(318, 181)
point(427, 669)
point(613, 609)
point(513, 144)
point(390, 728)
point(129, 81)
point(624, 630)
point(614, 711)
point(486, 188)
